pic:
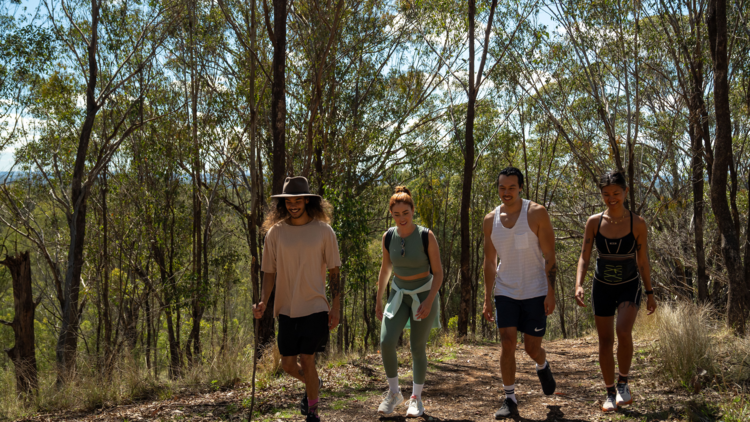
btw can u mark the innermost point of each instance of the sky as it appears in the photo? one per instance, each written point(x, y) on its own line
point(7, 155)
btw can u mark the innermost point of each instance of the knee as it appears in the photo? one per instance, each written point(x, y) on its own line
point(388, 343)
point(307, 362)
point(624, 333)
point(533, 350)
point(607, 341)
point(289, 366)
point(508, 343)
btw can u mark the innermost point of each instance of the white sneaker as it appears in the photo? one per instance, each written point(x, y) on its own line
point(416, 408)
point(623, 395)
point(390, 401)
point(610, 405)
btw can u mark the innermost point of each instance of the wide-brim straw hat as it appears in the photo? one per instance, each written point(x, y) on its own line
point(295, 186)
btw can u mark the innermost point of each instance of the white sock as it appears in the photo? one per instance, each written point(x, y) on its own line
point(539, 368)
point(510, 392)
point(417, 390)
point(393, 385)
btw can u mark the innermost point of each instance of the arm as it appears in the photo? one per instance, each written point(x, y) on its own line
point(437, 277)
point(334, 290)
point(385, 273)
point(546, 237)
point(269, 279)
point(584, 259)
point(490, 266)
point(641, 255)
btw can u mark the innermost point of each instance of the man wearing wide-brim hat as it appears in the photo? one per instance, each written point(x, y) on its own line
point(300, 247)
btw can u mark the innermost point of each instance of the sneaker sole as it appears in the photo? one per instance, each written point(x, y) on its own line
point(625, 403)
point(609, 410)
point(414, 416)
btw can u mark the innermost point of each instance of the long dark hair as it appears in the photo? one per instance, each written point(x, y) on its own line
point(316, 207)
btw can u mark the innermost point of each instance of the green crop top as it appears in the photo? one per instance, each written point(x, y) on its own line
point(415, 260)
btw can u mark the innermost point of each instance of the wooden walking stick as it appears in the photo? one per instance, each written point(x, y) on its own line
point(255, 365)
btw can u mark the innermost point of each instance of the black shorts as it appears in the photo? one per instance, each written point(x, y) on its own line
point(605, 298)
point(527, 315)
point(304, 335)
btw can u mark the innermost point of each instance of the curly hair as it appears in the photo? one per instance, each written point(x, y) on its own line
point(316, 207)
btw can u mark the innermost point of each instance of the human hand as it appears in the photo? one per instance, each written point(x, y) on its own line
point(424, 309)
point(549, 304)
point(651, 304)
point(579, 296)
point(333, 318)
point(259, 309)
point(488, 310)
point(379, 309)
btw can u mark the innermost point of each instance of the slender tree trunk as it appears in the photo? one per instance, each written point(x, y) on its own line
point(468, 179)
point(697, 179)
point(194, 338)
point(67, 342)
point(730, 245)
point(23, 352)
point(278, 100)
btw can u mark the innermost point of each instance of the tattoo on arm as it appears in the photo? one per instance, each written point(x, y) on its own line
point(301, 373)
point(638, 247)
point(552, 274)
point(588, 240)
point(334, 284)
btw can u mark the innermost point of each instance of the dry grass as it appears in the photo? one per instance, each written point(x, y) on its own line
point(692, 345)
point(130, 381)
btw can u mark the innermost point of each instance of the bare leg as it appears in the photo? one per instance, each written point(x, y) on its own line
point(508, 354)
point(606, 331)
point(534, 349)
point(290, 366)
point(311, 376)
point(626, 314)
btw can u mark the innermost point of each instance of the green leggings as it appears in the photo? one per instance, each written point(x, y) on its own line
point(391, 328)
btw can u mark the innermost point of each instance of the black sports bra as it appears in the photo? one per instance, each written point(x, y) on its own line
point(621, 248)
point(616, 261)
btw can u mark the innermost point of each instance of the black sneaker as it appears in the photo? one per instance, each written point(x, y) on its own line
point(303, 403)
point(510, 408)
point(312, 417)
point(548, 381)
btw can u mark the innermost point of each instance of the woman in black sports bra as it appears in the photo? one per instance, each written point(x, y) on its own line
point(621, 244)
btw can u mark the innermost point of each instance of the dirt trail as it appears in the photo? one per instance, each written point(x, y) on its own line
point(462, 386)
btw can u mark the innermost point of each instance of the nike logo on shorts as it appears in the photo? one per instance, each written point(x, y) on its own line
point(538, 329)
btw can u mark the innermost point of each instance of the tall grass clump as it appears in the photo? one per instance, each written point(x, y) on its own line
point(685, 344)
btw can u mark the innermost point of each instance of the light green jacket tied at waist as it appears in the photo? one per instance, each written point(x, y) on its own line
point(395, 303)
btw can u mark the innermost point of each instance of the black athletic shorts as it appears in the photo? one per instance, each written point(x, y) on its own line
point(605, 298)
point(304, 335)
point(526, 315)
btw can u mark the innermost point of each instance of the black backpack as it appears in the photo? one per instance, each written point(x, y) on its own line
point(425, 235)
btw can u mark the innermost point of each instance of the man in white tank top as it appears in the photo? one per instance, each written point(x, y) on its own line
point(521, 288)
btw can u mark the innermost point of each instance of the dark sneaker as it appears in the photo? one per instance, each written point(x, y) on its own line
point(510, 408)
point(303, 402)
point(312, 417)
point(548, 381)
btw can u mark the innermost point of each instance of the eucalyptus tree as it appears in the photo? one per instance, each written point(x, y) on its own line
point(723, 164)
point(106, 46)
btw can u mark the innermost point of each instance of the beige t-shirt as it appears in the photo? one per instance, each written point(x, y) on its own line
point(300, 255)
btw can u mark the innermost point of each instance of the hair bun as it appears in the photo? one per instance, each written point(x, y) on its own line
point(400, 189)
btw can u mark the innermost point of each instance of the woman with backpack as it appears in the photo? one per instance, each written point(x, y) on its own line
point(412, 253)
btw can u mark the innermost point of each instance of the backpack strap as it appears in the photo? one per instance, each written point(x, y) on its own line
point(425, 235)
point(388, 237)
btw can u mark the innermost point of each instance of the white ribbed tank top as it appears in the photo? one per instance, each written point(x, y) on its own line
point(520, 270)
